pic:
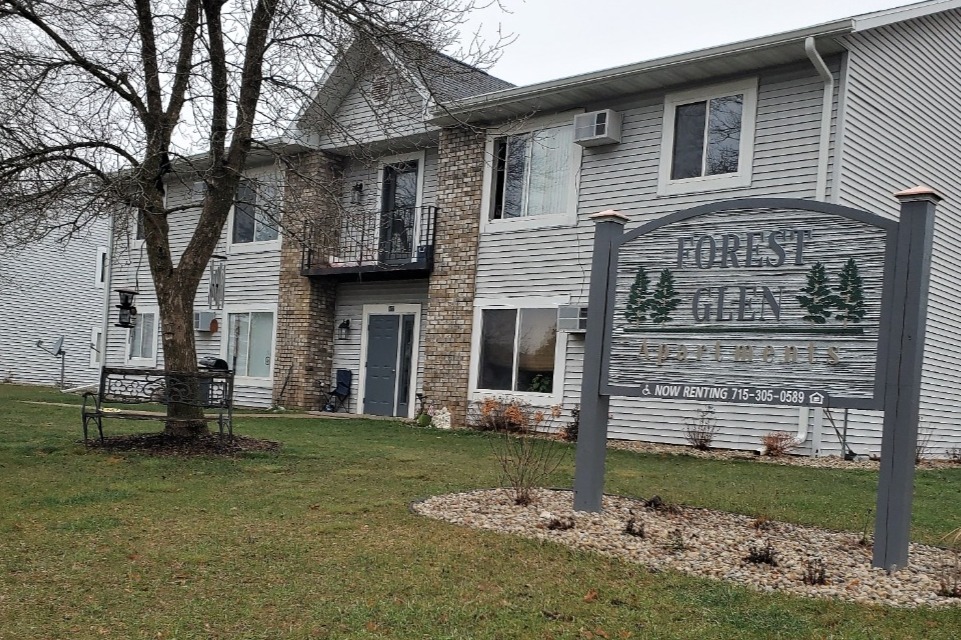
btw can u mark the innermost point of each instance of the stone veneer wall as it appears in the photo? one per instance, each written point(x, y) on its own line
point(450, 297)
point(305, 308)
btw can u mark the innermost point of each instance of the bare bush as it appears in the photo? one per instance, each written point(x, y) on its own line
point(949, 580)
point(778, 443)
point(701, 428)
point(923, 446)
point(526, 460)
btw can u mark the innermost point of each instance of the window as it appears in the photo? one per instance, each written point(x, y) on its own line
point(517, 350)
point(139, 227)
point(101, 277)
point(251, 338)
point(708, 138)
point(143, 339)
point(531, 173)
point(256, 212)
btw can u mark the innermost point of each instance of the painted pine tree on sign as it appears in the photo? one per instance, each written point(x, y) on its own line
point(818, 299)
point(850, 294)
point(639, 300)
point(665, 299)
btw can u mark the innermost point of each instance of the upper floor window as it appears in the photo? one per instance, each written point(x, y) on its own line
point(531, 177)
point(530, 172)
point(139, 232)
point(708, 138)
point(256, 212)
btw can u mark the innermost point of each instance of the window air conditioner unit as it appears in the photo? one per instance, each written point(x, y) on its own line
point(572, 319)
point(205, 321)
point(597, 128)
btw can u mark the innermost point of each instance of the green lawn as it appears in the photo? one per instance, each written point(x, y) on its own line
point(316, 541)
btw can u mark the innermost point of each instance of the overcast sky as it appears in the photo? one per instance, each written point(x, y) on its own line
point(559, 38)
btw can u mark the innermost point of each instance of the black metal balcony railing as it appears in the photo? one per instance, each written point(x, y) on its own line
point(377, 244)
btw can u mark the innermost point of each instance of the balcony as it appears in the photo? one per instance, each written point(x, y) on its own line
point(370, 246)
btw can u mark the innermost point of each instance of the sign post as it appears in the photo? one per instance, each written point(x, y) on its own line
point(892, 525)
point(591, 452)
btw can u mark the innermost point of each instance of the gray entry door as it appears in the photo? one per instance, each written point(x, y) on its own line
point(380, 385)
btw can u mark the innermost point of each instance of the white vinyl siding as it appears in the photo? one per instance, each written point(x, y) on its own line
point(49, 290)
point(915, 139)
point(362, 118)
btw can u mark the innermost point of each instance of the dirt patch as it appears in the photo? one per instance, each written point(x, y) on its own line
point(161, 444)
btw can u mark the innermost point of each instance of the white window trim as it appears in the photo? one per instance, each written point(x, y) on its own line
point(96, 357)
point(100, 276)
point(263, 245)
point(144, 362)
point(395, 310)
point(666, 186)
point(420, 157)
point(560, 350)
point(560, 219)
point(249, 381)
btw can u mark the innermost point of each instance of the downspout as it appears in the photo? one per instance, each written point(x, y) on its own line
point(824, 147)
point(824, 150)
point(108, 280)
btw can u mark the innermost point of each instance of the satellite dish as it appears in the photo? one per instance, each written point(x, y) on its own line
point(58, 346)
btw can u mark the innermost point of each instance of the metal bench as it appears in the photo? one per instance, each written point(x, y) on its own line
point(210, 390)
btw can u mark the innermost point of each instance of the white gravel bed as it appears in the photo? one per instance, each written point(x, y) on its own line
point(831, 462)
point(715, 545)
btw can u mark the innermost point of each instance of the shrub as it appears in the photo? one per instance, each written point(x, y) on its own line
point(569, 434)
point(814, 572)
point(762, 554)
point(949, 580)
point(701, 428)
point(634, 528)
point(954, 454)
point(921, 449)
point(675, 541)
point(560, 524)
point(499, 413)
point(778, 443)
point(526, 460)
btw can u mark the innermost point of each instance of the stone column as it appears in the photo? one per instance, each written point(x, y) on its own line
point(305, 307)
point(450, 298)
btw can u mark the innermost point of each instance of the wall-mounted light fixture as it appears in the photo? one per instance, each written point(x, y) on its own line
point(127, 316)
point(343, 329)
point(357, 193)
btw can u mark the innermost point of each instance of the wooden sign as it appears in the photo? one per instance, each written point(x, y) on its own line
point(783, 295)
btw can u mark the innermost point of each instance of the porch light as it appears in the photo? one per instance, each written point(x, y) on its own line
point(357, 193)
point(343, 329)
point(127, 316)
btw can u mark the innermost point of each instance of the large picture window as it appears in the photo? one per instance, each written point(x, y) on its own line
point(532, 173)
point(708, 138)
point(517, 350)
point(256, 212)
point(251, 338)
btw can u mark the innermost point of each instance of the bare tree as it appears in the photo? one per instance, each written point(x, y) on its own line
point(103, 102)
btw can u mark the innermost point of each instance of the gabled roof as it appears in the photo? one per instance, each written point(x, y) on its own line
point(692, 67)
point(437, 77)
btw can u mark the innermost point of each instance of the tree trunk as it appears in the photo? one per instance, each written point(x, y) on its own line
point(184, 419)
